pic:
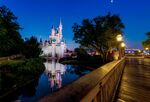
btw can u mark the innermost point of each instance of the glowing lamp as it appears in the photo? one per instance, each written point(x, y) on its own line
point(123, 44)
point(146, 48)
point(119, 37)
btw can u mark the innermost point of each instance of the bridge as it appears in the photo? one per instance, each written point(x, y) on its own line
point(125, 80)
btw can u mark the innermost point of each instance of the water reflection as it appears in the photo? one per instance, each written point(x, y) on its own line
point(54, 77)
point(54, 71)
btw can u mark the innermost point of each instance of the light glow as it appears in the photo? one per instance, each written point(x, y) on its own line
point(123, 44)
point(147, 48)
point(119, 37)
point(111, 1)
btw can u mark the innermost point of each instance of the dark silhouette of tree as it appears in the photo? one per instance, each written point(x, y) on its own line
point(10, 38)
point(31, 48)
point(98, 33)
point(146, 43)
point(148, 35)
point(81, 53)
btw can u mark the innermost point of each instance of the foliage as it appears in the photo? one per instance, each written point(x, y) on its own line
point(11, 61)
point(18, 73)
point(10, 38)
point(86, 61)
point(98, 33)
point(148, 35)
point(31, 48)
point(29, 66)
point(146, 43)
point(80, 52)
point(34, 65)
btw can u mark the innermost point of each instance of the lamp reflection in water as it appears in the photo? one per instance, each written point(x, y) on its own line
point(54, 70)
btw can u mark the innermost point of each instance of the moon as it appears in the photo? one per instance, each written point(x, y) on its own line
point(111, 1)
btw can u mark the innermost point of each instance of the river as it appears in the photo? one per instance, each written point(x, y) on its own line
point(54, 77)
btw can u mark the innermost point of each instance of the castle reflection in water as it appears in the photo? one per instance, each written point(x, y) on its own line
point(54, 71)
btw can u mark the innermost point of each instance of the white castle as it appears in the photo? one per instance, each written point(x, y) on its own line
point(55, 46)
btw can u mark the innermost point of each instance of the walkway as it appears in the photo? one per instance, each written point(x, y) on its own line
point(135, 83)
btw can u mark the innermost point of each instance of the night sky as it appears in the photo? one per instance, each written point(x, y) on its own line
point(36, 17)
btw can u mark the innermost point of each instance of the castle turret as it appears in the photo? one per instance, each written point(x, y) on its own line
point(60, 28)
point(53, 31)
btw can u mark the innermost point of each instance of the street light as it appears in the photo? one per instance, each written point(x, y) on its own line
point(123, 47)
point(119, 38)
point(139, 51)
point(146, 48)
point(123, 44)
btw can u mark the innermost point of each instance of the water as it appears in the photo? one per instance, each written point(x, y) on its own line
point(54, 77)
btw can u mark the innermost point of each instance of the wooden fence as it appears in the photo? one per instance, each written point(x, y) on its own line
point(97, 86)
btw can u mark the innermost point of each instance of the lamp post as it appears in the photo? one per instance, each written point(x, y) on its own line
point(119, 39)
point(147, 49)
point(122, 48)
point(123, 44)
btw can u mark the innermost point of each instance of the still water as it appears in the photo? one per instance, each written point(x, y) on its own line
point(54, 77)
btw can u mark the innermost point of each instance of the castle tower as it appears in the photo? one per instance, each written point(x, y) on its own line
point(53, 31)
point(60, 27)
point(60, 30)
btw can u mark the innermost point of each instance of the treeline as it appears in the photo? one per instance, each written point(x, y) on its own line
point(99, 34)
point(146, 43)
point(11, 41)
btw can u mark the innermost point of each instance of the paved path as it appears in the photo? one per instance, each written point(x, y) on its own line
point(135, 83)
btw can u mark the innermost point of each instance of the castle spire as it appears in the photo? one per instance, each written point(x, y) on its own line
point(60, 24)
point(60, 27)
point(53, 31)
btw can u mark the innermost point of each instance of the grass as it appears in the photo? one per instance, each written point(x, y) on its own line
point(11, 61)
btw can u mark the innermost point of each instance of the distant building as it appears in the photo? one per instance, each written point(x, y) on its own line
point(131, 51)
point(55, 46)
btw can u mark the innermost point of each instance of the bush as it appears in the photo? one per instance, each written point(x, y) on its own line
point(31, 67)
point(31, 48)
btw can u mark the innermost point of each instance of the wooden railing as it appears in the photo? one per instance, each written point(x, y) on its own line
point(98, 86)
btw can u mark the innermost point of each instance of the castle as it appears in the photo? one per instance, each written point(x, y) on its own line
point(55, 46)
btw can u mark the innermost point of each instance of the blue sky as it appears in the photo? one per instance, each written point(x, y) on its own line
point(36, 17)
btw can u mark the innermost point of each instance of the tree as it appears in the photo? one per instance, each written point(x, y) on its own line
point(31, 48)
point(10, 38)
point(146, 43)
point(98, 33)
point(148, 35)
point(81, 53)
